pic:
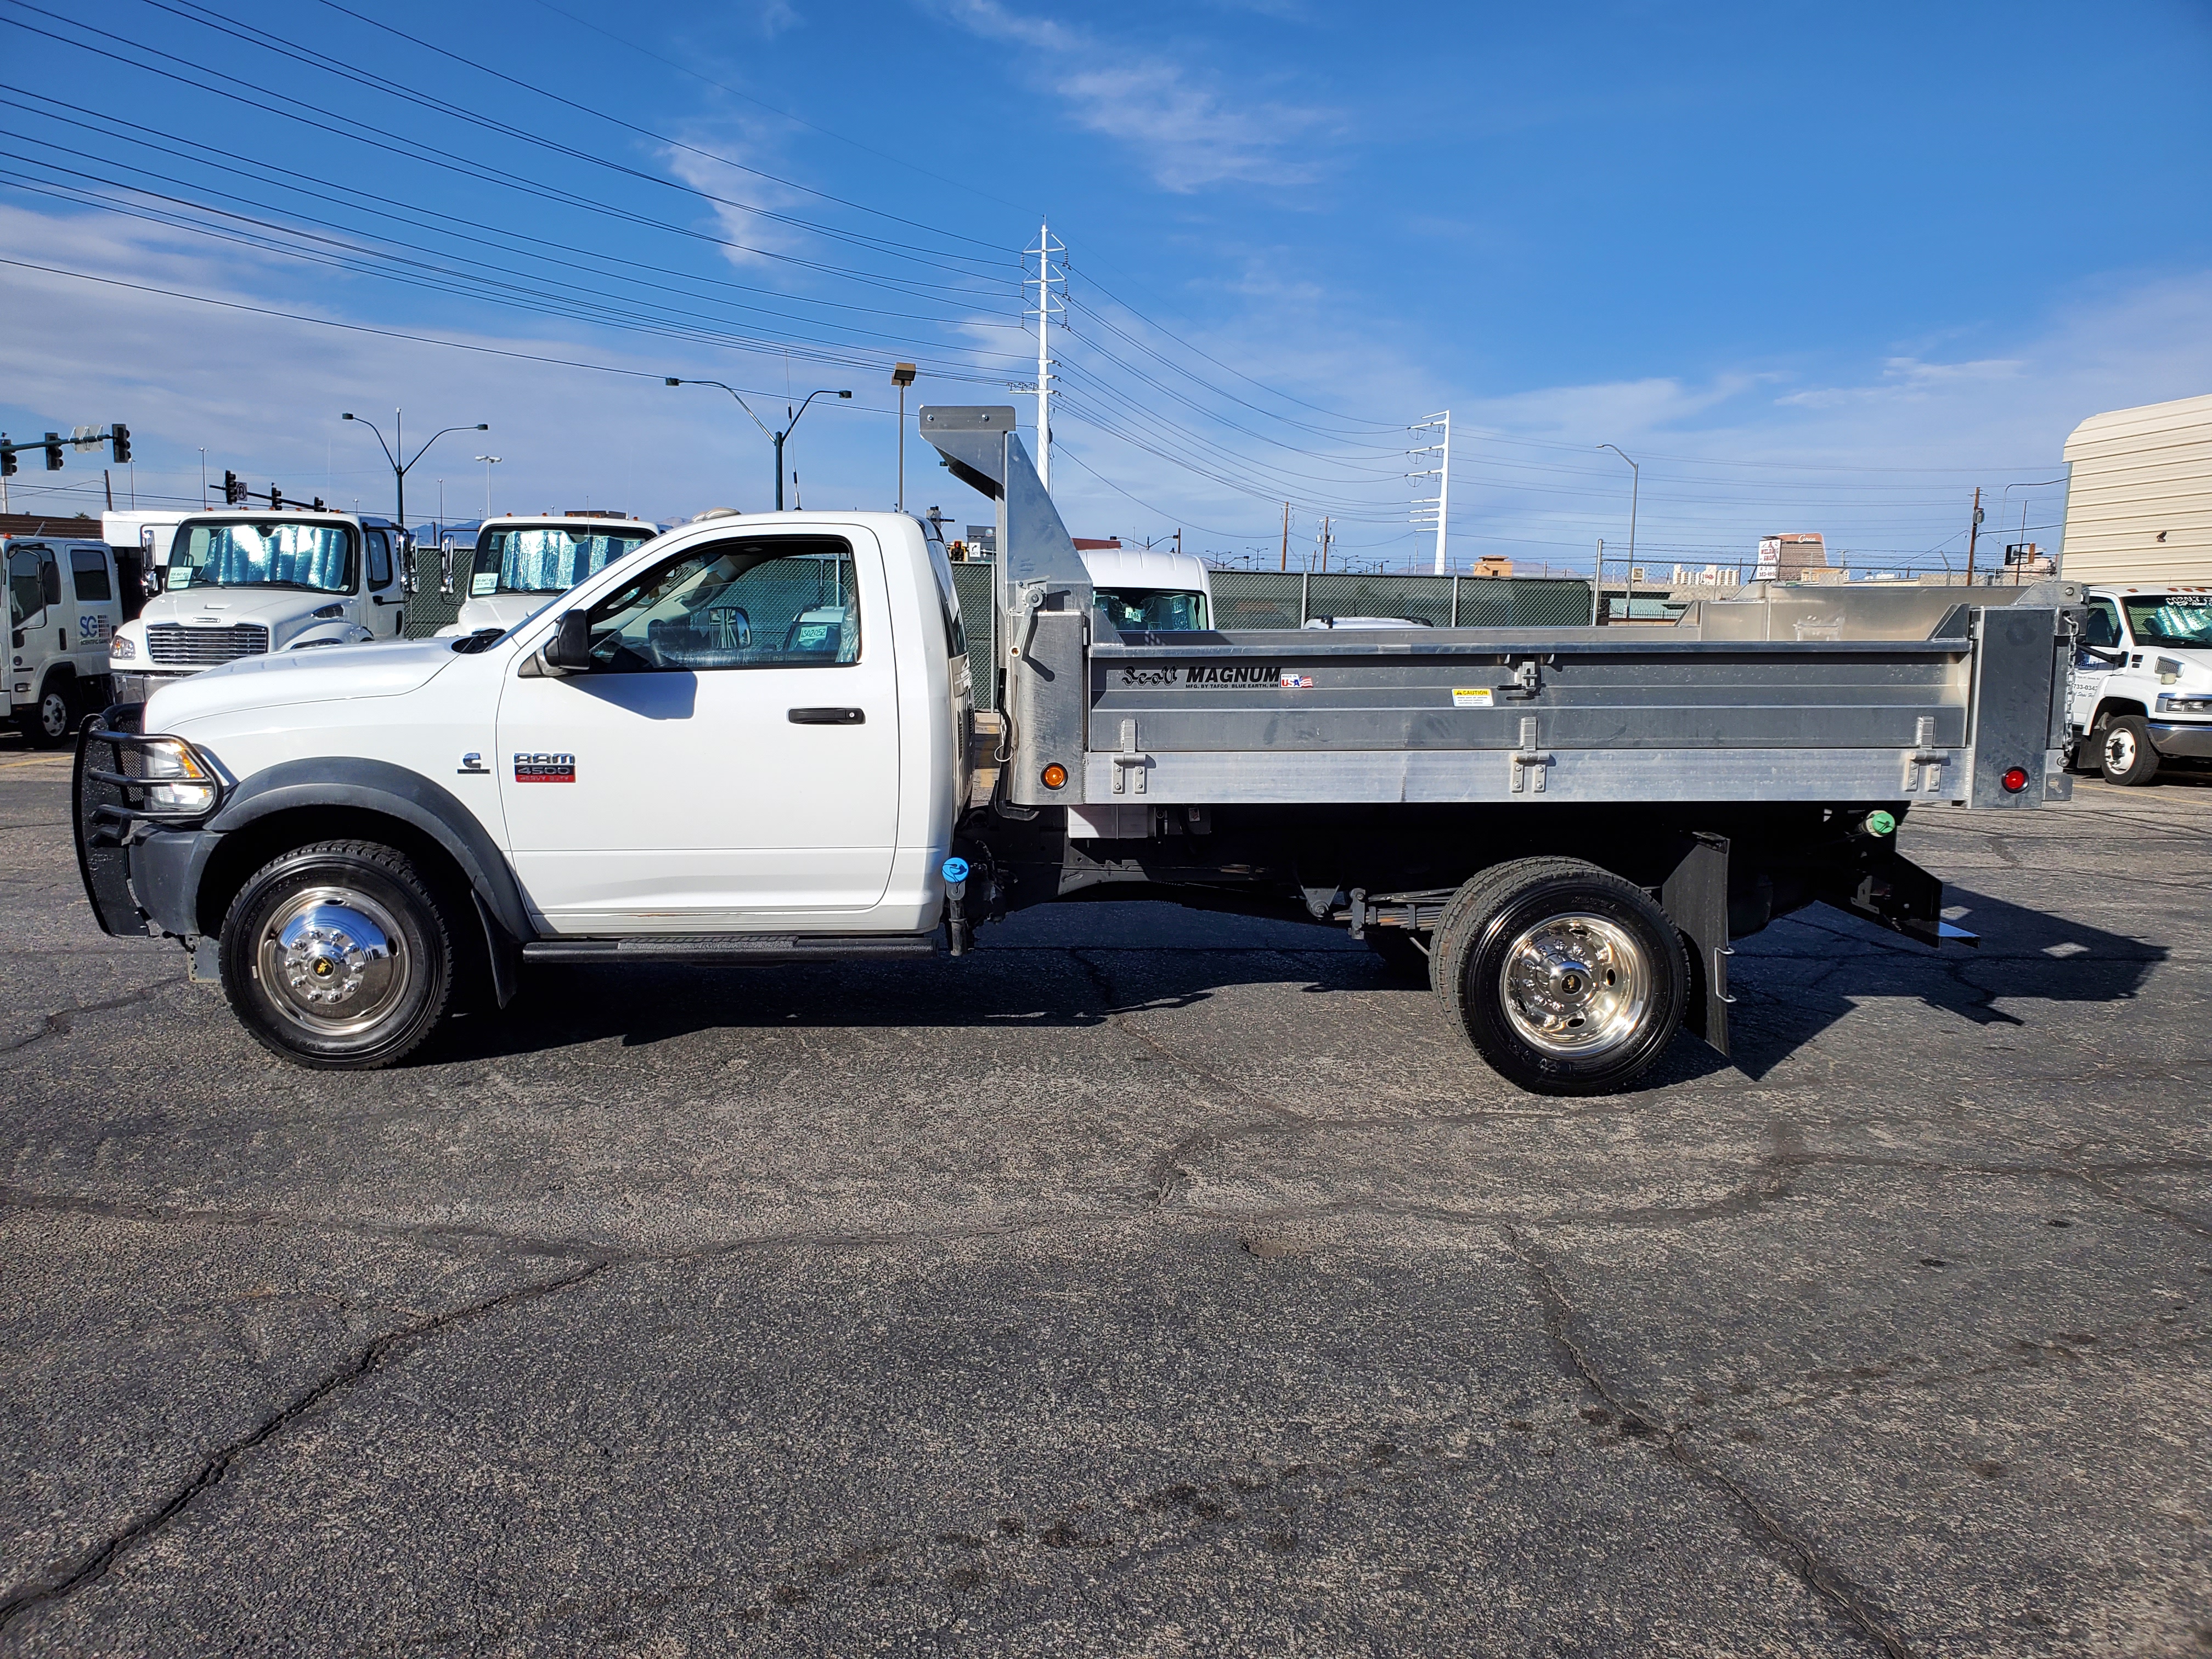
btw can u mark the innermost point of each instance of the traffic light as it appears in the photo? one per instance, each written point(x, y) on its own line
point(275, 498)
point(53, 452)
point(319, 507)
point(7, 459)
point(234, 490)
point(121, 434)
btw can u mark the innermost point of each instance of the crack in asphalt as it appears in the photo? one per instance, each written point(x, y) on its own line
point(63, 1020)
point(368, 1360)
point(1641, 1422)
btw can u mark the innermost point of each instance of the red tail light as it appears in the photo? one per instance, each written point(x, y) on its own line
point(2014, 781)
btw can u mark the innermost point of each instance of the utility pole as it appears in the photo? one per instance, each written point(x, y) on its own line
point(1179, 541)
point(1286, 535)
point(1051, 302)
point(1324, 544)
point(1974, 535)
point(1424, 506)
point(1597, 580)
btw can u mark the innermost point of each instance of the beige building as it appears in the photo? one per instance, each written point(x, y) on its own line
point(2139, 496)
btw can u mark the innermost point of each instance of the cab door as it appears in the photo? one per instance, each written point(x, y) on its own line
point(2100, 633)
point(98, 607)
point(731, 759)
point(385, 610)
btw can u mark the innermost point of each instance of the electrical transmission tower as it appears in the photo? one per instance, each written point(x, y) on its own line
point(1433, 509)
point(1051, 285)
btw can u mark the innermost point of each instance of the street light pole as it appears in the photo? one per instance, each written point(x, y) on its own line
point(791, 421)
point(489, 461)
point(1635, 487)
point(398, 447)
point(901, 377)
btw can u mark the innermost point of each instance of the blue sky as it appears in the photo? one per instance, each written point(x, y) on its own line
point(1816, 268)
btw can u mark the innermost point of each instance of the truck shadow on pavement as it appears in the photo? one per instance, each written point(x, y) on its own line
point(1809, 970)
point(1804, 974)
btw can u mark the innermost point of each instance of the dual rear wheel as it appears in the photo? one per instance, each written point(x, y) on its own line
point(1566, 979)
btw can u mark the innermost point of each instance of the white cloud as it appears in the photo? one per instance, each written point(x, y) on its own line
point(1189, 132)
point(264, 394)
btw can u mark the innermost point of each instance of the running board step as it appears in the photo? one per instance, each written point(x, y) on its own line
point(726, 950)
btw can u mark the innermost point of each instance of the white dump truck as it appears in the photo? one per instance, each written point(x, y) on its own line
point(65, 600)
point(517, 563)
point(753, 741)
point(237, 584)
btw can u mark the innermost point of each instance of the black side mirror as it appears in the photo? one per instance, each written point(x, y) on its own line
point(570, 647)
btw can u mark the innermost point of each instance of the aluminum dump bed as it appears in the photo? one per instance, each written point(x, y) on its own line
point(1720, 712)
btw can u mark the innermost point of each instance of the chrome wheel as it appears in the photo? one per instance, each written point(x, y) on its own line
point(2120, 750)
point(331, 961)
point(54, 715)
point(1577, 986)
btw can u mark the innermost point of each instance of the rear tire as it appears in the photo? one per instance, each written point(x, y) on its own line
point(1564, 978)
point(338, 955)
point(2125, 754)
point(53, 721)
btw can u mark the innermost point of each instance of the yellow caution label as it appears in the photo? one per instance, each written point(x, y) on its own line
point(1471, 696)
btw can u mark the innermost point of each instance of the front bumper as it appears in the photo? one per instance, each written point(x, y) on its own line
point(2177, 742)
point(141, 872)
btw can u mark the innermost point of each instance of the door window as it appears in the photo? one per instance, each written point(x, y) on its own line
point(379, 559)
point(786, 602)
point(50, 576)
point(26, 598)
point(2103, 628)
point(89, 571)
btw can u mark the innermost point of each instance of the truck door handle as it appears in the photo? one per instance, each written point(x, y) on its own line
point(827, 716)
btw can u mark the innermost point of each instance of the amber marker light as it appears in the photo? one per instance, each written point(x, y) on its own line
point(1055, 777)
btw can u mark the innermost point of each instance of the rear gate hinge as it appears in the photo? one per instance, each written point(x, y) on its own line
point(1529, 763)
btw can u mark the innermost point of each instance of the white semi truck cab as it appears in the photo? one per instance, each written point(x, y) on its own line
point(240, 584)
point(517, 563)
point(1140, 590)
point(753, 742)
point(65, 600)
point(2141, 689)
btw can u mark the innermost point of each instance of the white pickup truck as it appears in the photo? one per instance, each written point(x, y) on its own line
point(2142, 681)
point(238, 583)
point(753, 741)
point(517, 563)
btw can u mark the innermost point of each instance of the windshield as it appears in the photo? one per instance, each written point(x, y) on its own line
point(1140, 612)
point(2182, 619)
point(547, 559)
point(263, 553)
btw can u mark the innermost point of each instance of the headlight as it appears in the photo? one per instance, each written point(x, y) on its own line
point(196, 786)
point(122, 648)
point(2176, 702)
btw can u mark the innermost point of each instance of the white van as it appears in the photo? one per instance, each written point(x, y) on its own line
point(517, 563)
point(1144, 590)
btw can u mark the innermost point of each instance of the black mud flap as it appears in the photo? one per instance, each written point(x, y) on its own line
point(1695, 899)
point(1895, 893)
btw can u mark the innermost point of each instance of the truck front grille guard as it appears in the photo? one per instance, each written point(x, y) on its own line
point(111, 785)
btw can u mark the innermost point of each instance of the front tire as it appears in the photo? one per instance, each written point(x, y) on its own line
point(53, 722)
point(1564, 978)
point(2125, 754)
point(338, 955)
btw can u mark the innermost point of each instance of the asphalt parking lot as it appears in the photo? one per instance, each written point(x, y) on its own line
point(1145, 1283)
